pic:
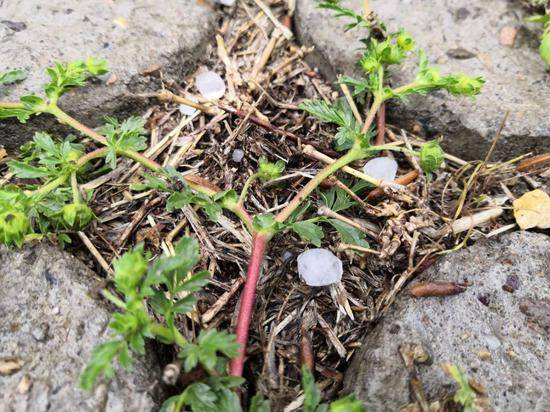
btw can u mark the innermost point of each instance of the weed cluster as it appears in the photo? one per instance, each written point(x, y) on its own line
point(53, 202)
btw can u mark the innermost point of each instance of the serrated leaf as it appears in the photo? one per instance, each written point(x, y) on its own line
point(22, 114)
point(309, 232)
point(194, 283)
point(184, 305)
point(26, 171)
point(178, 200)
point(349, 234)
point(101, 362)
point(12, 76)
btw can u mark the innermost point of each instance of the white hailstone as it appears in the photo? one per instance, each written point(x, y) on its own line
point(227, 3)
point(188, 110)
point(237, 155)
point(382, 168)
point(210, 85)
point(319, 267)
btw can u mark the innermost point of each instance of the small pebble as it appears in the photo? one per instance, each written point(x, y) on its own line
point(382, 168)
point(227, 3)
point(188, 110)
point(512, 284)
point(319, 267)
point(237, 155)
point(210, 85)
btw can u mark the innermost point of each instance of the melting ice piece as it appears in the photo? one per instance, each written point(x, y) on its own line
point(210, 85)
point(188, 110)
point(227, 3)
point(237, 155)
point(319, 267)
point(382, 168)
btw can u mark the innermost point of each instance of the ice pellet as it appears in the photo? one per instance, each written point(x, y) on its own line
point(319, 267)
point(210, 85)
point(237, 155)
point(188, 110)
point(382, 168)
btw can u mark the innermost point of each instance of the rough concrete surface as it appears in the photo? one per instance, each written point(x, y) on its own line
point(459, 36)
point(50, 322)
point(497, 330)
point(132, 35)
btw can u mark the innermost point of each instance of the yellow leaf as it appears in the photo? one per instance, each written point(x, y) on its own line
point(121, 22)
point(533, 210)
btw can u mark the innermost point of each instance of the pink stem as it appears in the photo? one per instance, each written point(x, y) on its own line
point(381, 125)
point(259, 244)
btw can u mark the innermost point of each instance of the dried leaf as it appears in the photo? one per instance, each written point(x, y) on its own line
point(533, 210)
point(9, 366)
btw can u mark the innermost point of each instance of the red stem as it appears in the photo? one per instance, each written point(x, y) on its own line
point(259, 244)
point(381, 125)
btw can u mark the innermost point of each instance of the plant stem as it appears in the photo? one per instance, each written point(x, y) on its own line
point(168, 334)
point(259, 245)
point(244, 191)
point(378, 100)
point(75, 124)
point(381, 125)
point(74, 187)
point(48, 187)
point(353, 154)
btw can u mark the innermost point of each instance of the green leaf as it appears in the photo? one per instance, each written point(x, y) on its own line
point(194, 283)
point(26, 171)
point(101, 362)
point(266, 223)
point(178, 200)
point(226, 198)
point(259, 404)
point(65, 76)
point(199, 397)
point(228, 401)
point(269, 171)
point(339, 113)
point(309, 232)
point(336, 199)
point(125, 136)
point(544, 48)
point(205, 351)
point(539, 18)
point(312, 394)
point(129, 270)
point(22, 114)
point(431, 156)
point(77, 215)
point(349, 234)
point(466, 396)
point(348, 404)
point(96, 66)
point(357, 19)
point(184, 305)
point(33, 103)
point(150, 182)
point(12, 76)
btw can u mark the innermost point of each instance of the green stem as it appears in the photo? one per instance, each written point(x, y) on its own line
point(54, 184)
point(168, 334)
point(246, 186)
point(353, 154)
point(75, 124)
point(394, 148)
